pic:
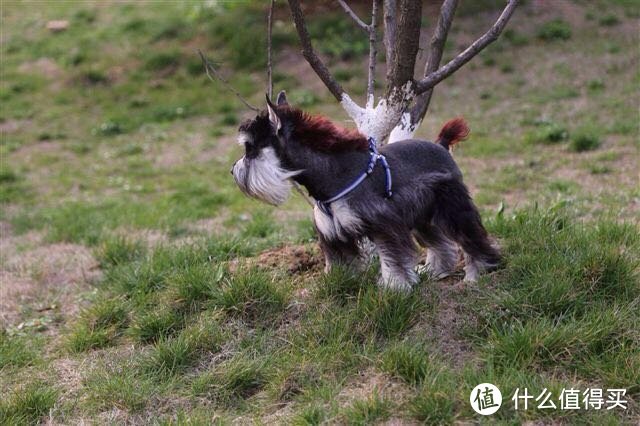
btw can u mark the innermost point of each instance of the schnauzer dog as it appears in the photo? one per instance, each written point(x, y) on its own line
point(417, 194)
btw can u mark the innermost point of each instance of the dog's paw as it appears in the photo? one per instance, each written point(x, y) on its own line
point(432, 273)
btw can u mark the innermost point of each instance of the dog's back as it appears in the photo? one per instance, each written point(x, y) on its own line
point(414, 158)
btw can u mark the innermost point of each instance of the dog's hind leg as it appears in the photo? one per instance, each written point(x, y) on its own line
point(397, 254)
point(442, 253)
point(458, 218)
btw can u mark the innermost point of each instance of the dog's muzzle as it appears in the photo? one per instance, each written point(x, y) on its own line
point(263, 178)
point(239, 172)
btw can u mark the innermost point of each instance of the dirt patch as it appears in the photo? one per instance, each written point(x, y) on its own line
point(152, 238)
point(12, 126)
point(45, 278)
point(27, 152)
point(13, 292)
point(218, 150)
point(70, 374)
point(46, 67)
point(292, 61)
point(211, 226)
point(11, 244)
point(170, 156)
point(297, 259)
point(56, 264)
point(449, 320)
point(370, 383)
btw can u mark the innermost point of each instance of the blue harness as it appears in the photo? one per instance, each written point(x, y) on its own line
point(374, 157)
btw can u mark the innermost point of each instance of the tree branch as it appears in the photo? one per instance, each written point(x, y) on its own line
point(353, 15)
point(372, 53)
point(309, 54)
point(209, 69)
point(476, 47)
point(269, 63)
point(400, 69)
point(390, 27)
point(438, 40)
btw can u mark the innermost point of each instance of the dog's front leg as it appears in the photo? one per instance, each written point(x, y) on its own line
point(343, 251)
point(339, 252)
point(397, 253)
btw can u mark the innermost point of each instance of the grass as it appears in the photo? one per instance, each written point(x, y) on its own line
point(17, 351)
point(407, 362)
point(125, 157)
point(565, 298)
point(585, 139)
point(388, 313)
point(98, 326)
point(125, 390)
point(232, 381)
point(118, 250)
point(27, 405)
point(548, 133)
point(554, 30)
point(365, 412)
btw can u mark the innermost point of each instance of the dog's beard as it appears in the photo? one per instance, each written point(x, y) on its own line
point(263, 177)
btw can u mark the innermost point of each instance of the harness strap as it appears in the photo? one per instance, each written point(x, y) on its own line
point(374, 157)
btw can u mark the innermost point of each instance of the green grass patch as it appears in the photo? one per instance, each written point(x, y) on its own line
point(13, 187)
point(435, 401)
point(173, 355)
point(87, 223)
point(338, 38)
point(149, 326)
point(409, 362)
point(28, 404)
point(119, 250)
point(123, 389)
point(550, 133)
point(310, 416)
point(585, 139)
point(99, 325)
point(565, 296)
point(556, 29)
point(608, 20)
point(388, 313)
point(515, 38)
point(254, 296)
point(162, 61)
point(18, 351)
point(232, 381)
point(369, 411)
point(342, 284)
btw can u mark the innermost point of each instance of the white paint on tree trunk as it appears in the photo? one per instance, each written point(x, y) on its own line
point(405, 129)
point(370, 101)
point(378, 122)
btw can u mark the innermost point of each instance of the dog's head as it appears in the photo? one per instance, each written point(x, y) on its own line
point(260, 172)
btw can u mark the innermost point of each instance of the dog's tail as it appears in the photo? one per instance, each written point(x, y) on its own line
point(453, 131)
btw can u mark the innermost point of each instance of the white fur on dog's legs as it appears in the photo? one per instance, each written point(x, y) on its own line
point(473, 268)
point(441, 260)
point(395, 270)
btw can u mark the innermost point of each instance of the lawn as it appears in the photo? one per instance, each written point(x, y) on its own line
point(139, 285)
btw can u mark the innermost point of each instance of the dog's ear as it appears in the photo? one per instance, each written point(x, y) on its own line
point(282, 98)
point(273, 116)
